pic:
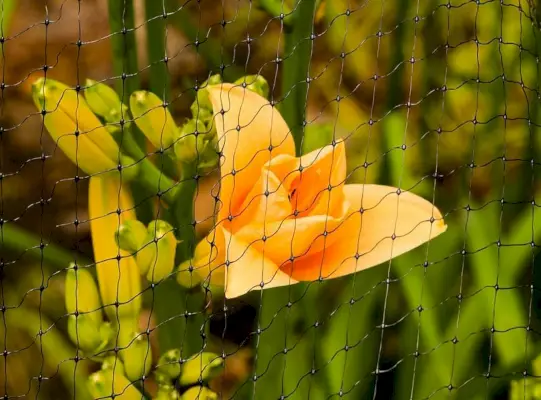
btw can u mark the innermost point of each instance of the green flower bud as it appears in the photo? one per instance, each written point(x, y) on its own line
point(87, 335)
point(187, 147)
point(135, 353)
point(153, 119)
point(199, 393)
point(114, 364)
point(167, 394)
point(131, 235)
point(108, 384)
point(202, 101)
point(82, 294)
point(255, 83)
point(208, 155)
point(203, 365)
point(102, 99)
point(156, 259)
point(169, 364)
point(187, 277)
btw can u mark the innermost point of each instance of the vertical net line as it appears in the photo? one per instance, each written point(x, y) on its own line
point(493, 330)
point(5, 352)
point(532, 182)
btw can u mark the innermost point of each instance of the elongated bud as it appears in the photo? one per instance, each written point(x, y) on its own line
point(202, 101)
point(73, 126)
point(204, 366)
point(108, 384)
point(169, 364)
point(87, 335)
point(156, 259)
point(255, 83)
point(153, 118)
point(131, 235)
point(118, 277)
point(104, 101)
point(189, 146)
point(82, 294)
point(199, 393)
point(135, 351)
point(130, 168)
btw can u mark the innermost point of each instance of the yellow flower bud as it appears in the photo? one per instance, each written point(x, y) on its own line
point(202, 101)
point(156, 259)
point(169, 364)
point(104, 101)
point(131, 235)
point(255, 83)
point(135, 351)
point(187, 276)
point(114, 364)
point(119, 279)
point(82, 295)
point(153, 119)
point(167, 394)
point(108, 384)
point(199, 393)
point(203, 366)
point(73, 126)
point(188, 147)
point(87, 335)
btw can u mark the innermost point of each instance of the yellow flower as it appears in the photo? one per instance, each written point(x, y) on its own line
point(284, 219)
point(110, 204)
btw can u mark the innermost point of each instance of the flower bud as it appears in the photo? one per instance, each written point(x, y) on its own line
point(187, 276)
point(131, 235)
point(108, 384)
point(167, 394)
point(130, 168)
point(88, 335)
point(114, 364)
point(156, 259)
point(104, 101)
point(204, 366)
point(74, 127)
point(199, 393)
point(82, 294)
point(202, 101)
point(135, 351)
point(255, 83)
point(152, 117)
point(187, 147)
point(169, 364)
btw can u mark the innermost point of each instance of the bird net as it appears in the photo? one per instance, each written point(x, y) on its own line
point(270, 199)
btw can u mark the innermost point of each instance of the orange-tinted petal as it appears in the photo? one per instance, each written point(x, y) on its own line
point(267, 201)
point(249, 269)
point(314, 179)
point(390, 225)
point(246, 129)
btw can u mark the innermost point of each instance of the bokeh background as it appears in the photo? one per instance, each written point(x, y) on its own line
point(440, 98)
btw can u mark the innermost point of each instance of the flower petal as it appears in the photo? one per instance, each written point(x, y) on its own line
point(247, 128)
point(310, 177)
point(250, 269)
point(369, 235)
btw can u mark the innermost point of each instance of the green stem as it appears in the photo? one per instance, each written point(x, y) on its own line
point(156, 47)
point(296, 67)
point(17, 239)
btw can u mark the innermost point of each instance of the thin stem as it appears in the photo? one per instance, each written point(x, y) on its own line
point(296, 67)
point(156, 39)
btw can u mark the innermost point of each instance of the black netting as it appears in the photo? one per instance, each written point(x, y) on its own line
point(269, 199)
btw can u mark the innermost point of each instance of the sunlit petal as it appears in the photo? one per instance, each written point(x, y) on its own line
point(390, 224)
point(250, 133)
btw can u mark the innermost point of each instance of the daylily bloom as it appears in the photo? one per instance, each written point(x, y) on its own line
point(284, 219)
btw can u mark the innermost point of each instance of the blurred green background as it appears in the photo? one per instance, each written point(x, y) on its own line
point(438, 98)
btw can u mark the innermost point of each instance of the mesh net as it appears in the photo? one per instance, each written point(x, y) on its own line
point(269, 199)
